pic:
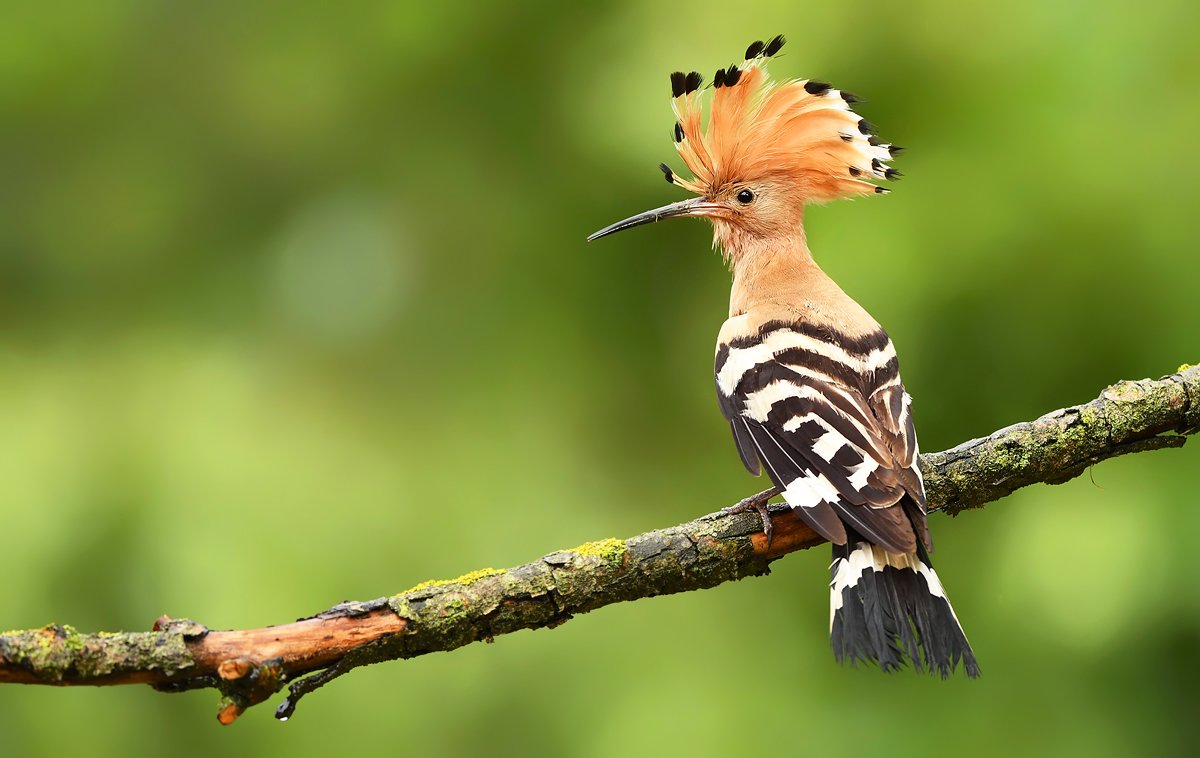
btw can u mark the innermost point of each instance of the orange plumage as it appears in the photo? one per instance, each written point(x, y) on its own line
point(801, 130)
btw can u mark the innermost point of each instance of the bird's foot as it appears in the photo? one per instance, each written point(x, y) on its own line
point(758, 504)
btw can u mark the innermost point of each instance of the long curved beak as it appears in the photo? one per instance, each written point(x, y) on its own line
point(697, 206)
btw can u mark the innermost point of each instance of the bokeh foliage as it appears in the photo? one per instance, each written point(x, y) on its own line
point(296, 307)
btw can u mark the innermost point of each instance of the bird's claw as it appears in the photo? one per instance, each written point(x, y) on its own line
point(758, 504)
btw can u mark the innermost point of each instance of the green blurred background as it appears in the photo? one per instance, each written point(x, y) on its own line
point(296, 308)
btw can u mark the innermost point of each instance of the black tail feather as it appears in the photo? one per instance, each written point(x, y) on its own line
point(892, 610)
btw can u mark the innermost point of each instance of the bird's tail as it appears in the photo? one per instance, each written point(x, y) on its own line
point(888, 608)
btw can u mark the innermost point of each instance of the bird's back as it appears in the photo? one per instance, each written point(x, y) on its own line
point(810, 384)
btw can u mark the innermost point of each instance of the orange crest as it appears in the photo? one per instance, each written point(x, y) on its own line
point(801, 130)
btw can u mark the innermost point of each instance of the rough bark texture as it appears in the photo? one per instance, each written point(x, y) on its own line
point(248, 666)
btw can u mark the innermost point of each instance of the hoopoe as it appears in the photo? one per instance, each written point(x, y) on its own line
point(808, 381)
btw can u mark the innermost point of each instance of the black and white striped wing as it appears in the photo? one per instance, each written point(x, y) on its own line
point(828, 418)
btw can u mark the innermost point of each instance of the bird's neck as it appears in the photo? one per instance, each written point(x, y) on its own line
point(771, 271)
point(779, 280)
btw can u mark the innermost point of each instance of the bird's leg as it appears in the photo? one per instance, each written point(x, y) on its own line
point(758, 504)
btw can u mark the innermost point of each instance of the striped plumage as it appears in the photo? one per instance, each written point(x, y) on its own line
point(827, 416)
point(808, 381)
point(819, 404)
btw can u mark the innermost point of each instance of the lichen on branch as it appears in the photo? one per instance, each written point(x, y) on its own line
point(248, 666)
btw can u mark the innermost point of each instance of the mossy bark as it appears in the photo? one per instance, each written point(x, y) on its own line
point(442, 615)
point(1128, 417)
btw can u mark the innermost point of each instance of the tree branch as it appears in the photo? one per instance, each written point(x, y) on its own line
point(249, 666)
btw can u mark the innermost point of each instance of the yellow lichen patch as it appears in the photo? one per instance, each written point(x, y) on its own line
point(470, 578)
point(1183, 367)
point(609, 550)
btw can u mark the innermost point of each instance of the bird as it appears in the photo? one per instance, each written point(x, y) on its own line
point(808, 381)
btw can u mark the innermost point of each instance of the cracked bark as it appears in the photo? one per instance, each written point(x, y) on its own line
point(248, 666)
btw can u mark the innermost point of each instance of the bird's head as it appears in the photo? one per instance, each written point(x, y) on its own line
point(764, 151)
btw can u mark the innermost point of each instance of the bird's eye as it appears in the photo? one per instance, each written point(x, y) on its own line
point(745, 197)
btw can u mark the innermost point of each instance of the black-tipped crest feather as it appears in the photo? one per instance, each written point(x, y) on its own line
point(678, 81)
point(772, 128)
